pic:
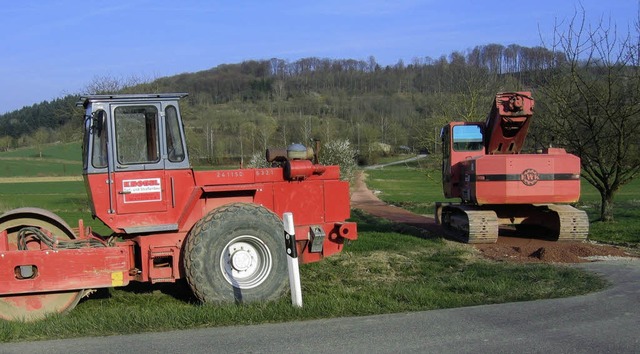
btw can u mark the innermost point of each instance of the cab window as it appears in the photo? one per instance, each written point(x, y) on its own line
point(137, 134)
point(98, 130)
point(175, 147)
point(467, 138)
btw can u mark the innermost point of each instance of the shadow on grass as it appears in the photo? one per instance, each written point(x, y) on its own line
point(179, 290)
point(367, 223)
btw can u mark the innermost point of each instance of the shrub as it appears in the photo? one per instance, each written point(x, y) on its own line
point(339, 152)
point(258, 160)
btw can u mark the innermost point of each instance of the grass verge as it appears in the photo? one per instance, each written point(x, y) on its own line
point(389, 269)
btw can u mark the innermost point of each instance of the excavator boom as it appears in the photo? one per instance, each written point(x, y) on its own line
point(508, 122)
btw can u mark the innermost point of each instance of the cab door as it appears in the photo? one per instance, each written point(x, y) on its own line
point(138, 172)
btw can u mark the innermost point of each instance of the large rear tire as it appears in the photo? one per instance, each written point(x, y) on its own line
point(236, 254)
point(31, 307)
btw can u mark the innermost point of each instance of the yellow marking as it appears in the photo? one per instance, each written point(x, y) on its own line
point(117, 278)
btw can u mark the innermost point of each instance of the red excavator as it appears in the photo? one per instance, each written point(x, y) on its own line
point(498, 185)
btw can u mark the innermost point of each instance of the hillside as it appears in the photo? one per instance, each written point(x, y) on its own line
point(239, 109)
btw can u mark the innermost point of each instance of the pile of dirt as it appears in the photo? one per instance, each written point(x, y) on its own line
point(508, 249)
point(521, 250)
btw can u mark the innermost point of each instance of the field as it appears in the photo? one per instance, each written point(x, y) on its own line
point(56, 160)
point(388, 269)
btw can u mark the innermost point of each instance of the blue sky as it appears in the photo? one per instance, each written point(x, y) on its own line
point(52, 48)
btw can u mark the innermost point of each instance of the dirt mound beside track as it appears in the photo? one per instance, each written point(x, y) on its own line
point(509, 249)
point(514, 249)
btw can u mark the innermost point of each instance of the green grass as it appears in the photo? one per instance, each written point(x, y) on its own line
point(58, 197)
point(66, 199)
point(384, 271)
point(390, 268)
point(33, 167)
point(625, 229)
point(56, 160)
point(43, 188)
point(68, 151)
point(410, 187)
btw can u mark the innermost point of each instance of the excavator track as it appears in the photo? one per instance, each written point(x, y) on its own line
point(574, 223)
point(470, 225)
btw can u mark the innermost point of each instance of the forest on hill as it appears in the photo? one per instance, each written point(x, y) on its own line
point(239, 109)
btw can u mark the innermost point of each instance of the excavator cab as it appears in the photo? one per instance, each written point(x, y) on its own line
point(460, 141)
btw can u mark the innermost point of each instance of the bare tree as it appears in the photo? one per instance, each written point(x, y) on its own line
point(267, 127)
point(592, 103)
point(109, 84)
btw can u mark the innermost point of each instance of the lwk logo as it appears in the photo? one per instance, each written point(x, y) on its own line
point(529, 177)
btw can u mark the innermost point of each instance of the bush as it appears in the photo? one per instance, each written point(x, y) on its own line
point(258, 160)
point(339, 152)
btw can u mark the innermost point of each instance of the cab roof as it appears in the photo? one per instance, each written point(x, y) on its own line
point(86, 100)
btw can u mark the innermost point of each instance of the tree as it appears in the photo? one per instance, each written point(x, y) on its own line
point(40, 138)
point(109, 84)
point(267, 128)
point(592, 104)
point(5, 142)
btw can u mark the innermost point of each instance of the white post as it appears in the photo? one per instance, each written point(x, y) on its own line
point(292, 260)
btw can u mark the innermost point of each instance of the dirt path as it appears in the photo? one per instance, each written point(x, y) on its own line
point(40, 179)
point(510, 249)
point(364, 199)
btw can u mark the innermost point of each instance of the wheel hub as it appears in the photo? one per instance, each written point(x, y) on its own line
point(241, 260)
point(246, 262)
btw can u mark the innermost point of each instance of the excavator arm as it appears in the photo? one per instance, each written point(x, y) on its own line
point(508, 122)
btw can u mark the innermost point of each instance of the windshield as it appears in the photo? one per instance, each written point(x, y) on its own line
point(467, 138)
point(137, 134)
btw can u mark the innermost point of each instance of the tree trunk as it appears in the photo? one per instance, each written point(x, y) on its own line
point(606, 206)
